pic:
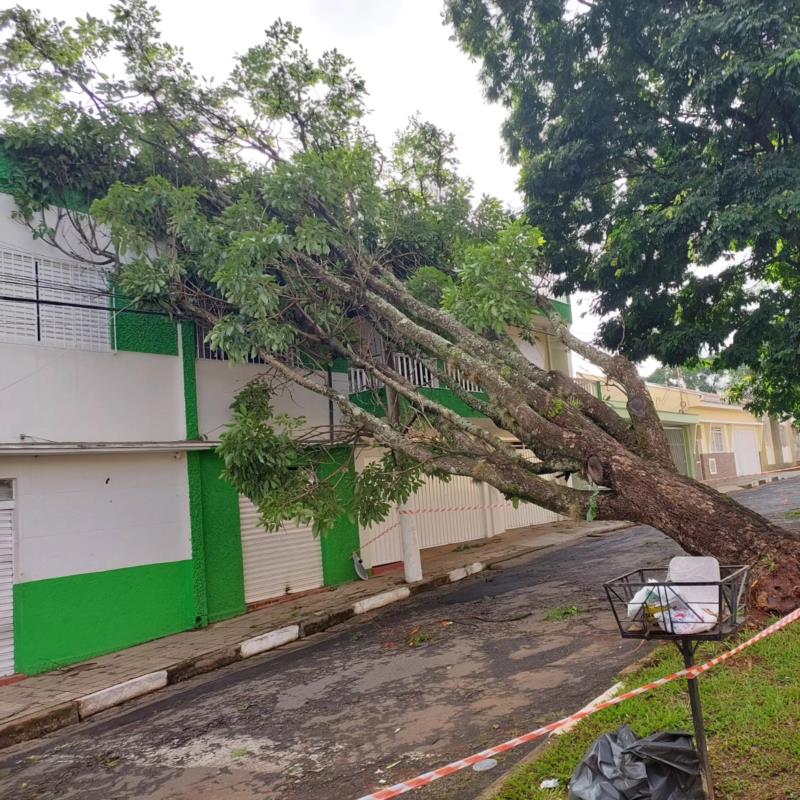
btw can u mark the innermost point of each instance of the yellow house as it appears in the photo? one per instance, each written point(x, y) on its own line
point(709, 438)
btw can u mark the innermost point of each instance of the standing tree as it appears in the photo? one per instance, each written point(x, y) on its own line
point(261, 208)
point(660, 153)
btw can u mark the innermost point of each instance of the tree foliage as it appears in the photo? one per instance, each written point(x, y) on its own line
point(660, 153)
point(261, 208)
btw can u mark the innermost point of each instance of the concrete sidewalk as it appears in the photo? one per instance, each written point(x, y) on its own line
point(33, 706)
point(730, 485)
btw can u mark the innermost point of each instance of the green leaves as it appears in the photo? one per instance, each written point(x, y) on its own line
point(496, 284)
point(659, 143)
point(385, 483)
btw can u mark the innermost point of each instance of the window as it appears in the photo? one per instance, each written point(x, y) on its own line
point(6, 489)
point(717, 440)
point(54, 303)
point(712, 466)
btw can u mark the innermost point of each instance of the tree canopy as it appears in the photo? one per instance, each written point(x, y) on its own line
point(261, 208)
point(659, 146)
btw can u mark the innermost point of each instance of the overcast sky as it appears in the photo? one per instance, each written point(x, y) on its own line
point(400, 47)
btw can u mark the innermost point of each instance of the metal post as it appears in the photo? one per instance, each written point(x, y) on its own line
point(412, 565)
point(687, 650)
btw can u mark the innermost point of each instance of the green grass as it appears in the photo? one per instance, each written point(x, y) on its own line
point(751, 707)
point(562, 612)
point(793, 513)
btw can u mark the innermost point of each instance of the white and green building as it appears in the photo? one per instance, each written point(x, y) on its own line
point(115, 526)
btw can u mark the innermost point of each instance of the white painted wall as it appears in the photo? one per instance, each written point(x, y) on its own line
point(67, 395)
point(15, 234)
point(218, 382)
point(90, 513)
point(536, 351)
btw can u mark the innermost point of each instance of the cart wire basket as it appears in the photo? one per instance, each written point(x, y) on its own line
point(665, 604)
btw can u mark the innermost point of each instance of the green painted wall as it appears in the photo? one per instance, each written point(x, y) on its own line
point(341, 541)
point(143, 333)
point(224, 569)
point(194, 479)
point(194, 476)
point(63, 620)
point(375, 404)
point(189, 380)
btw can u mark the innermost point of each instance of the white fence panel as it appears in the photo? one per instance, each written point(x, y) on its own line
point(446, 512)
point(449, 512)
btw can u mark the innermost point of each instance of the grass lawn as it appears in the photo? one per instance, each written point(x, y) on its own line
point(751, 706)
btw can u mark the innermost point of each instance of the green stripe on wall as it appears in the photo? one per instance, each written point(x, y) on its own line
point(339, 543)
point(194, 474)
point(142, 333)
point(63, 620)
point(224, 569)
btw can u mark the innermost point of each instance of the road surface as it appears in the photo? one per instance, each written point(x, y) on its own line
point(376, 700)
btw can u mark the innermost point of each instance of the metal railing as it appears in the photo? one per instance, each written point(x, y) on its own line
point(416, 372)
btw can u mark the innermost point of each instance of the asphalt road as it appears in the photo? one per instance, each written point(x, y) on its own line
point(379, 699)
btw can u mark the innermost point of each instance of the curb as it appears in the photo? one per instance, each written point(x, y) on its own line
point(490, 792)
point(52, 719)
point(119, 693)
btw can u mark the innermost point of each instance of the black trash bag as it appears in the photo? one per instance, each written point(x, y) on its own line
point(618, 766)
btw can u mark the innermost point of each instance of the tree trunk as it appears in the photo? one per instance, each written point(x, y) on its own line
point(705, 522)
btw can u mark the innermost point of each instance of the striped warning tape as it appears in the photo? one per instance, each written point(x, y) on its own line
point(448, 509)
point(382, 533)
point(690, 672)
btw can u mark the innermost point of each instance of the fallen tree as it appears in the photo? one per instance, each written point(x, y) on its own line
point(261, 209)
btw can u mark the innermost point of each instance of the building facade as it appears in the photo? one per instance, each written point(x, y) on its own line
point(711, 439)
point(115, 524)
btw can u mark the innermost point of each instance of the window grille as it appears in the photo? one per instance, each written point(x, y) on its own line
point(54, 303)
point(717, 440)
point(712, 466)
point(204, 350)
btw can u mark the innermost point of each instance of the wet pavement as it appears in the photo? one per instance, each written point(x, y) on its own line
point(379, 699)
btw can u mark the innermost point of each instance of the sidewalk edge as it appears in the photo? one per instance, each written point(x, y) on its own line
point(62, 715)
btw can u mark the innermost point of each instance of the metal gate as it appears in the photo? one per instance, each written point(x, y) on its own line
point(6, 587)
point(677, 449)
point(277, 562)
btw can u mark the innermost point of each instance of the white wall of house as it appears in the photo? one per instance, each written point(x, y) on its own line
point(536, 351)
point(218, 383)
point(90, 513)
point(66, 395)
point(17, 235)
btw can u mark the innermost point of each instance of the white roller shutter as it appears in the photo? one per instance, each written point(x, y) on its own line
point(277, 562)
point(6, 588)
point(745, 449)
point(446, 512)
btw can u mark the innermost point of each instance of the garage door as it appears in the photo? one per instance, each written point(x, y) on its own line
point(6, 587)
point(745, 448)
point(277, 562)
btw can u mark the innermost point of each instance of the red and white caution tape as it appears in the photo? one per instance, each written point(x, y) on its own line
point(382, 533)
point(690, 672)
point(448, 509)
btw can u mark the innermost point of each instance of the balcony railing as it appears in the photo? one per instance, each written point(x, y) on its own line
point(413, 370)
